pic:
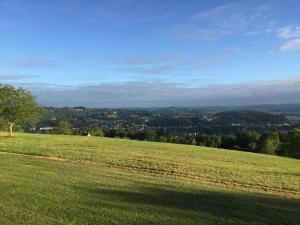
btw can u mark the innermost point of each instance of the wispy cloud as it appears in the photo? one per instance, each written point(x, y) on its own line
point(38, 64)
point(16, 77)
point(225, 20)
point(112, 13)
point(234, 14)
point(291, 35)
point(291, 45)
point(12, 5)
point(152, 70)
point(145, 59)
point(162, 64)
point(289, 32)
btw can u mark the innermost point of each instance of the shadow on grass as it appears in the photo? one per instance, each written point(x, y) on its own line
point(196, 207)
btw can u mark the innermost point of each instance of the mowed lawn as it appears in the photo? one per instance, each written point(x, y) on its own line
point(48, 179)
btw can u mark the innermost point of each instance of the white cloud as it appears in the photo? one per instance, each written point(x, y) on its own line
point(291, 35)
point(289, 32)
point(291, 45)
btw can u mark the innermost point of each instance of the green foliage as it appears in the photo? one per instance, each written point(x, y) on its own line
point(3, 125)
point(215, 141)
point(248, 140)
point(63, 128)
point(208, 140)
point(229, 142)
point(150, 135)
point(92, 131)
point(17, 106)
point(96, 132)
point(248, 117)
point(292, 148)
point(269, 143)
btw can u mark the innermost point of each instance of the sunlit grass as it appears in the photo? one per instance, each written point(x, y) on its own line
point(114, 181)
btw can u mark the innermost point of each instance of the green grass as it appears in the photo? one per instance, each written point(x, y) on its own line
point(48, 179)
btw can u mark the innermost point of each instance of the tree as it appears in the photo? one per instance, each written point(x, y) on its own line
point(121, 133)
point(215, 141)
point(3, 124)
point(248, 140)
point(150, 135)
point(292, 148)
point(96, 132)
point(208, 140)
point(17, 106)
point(63, 128)
point(229, 142)
point(269, 143)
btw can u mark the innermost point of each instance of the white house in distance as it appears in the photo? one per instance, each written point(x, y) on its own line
point(46, 128)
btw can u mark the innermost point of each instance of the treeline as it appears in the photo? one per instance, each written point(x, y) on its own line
point(274, 143)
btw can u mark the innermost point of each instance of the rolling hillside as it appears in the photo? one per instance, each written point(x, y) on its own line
point(48, 179)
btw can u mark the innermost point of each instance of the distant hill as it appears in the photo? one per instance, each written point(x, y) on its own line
point(282, 108)
point(249, 117)
point(272, 108)
point(210, 120)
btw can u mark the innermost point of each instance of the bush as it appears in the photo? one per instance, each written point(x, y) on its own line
point(269, 143)
point(63, 128)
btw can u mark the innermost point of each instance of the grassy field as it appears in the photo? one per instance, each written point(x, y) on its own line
point(48, 179)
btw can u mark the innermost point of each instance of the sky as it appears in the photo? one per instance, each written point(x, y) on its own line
point(152, 53)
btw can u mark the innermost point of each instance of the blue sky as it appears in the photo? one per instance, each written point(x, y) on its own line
point(152, 53)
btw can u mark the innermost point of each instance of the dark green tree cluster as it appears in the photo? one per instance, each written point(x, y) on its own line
point(274, 143)
point(292, 146)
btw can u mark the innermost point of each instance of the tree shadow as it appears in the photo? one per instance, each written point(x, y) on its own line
point(197, 206)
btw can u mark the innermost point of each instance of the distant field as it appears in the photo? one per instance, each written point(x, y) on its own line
point(48, 179)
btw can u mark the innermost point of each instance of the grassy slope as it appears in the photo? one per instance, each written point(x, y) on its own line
point(112, 181)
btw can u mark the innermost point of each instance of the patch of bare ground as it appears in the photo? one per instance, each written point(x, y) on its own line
point(34, 156)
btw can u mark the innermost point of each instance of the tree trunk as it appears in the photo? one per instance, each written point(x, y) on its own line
point(11, 128)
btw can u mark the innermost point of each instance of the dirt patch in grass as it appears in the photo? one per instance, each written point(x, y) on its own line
point(34, 156)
